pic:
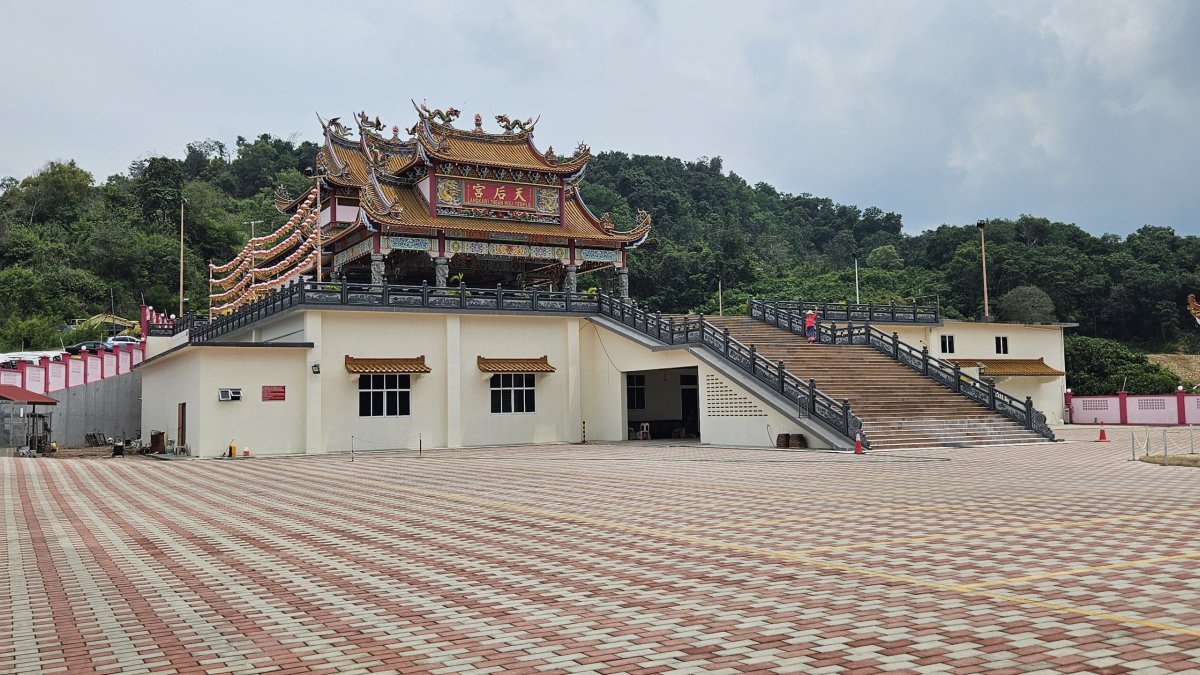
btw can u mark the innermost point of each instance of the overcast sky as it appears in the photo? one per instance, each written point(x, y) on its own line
point(946, 112)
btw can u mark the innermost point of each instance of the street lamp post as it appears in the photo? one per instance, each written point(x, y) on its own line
point(182, 200)
point(987, 314)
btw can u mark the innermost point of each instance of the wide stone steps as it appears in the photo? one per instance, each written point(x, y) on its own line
point(899, 407)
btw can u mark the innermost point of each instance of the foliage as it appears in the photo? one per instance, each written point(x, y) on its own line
point(70, 247)
point(885, 258)
point(1026, 304)
point(1096, 366)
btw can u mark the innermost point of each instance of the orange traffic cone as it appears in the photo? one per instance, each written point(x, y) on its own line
point(1103, 436)
point(858, 443)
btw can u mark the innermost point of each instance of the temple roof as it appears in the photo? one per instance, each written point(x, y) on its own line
point(385, 174)
point(513, 151)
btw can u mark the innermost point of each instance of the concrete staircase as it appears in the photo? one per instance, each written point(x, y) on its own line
point(899, 407)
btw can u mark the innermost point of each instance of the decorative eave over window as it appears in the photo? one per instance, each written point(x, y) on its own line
point(538, 365)
point(410, 366)
point(1010, 367)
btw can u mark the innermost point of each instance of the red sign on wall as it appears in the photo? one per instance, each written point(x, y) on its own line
point(274, 392)
point(507, 195)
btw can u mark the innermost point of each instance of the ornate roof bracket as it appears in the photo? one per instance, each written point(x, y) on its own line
point(332, 128)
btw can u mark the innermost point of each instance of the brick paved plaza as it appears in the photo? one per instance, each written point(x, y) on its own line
point(1067, 558)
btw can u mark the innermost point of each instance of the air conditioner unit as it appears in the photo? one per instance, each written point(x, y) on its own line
point(235, 394)
point(229, 394)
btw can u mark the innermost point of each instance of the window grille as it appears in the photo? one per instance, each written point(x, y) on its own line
point(383, 395)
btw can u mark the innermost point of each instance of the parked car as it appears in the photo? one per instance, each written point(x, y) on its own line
point(122, 340)
point(90, 345)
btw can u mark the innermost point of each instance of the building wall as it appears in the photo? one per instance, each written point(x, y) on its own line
point(111, 406)
point(730, 416)
point(451, 406)
point(978, 340)
point(195, 374)
point(376, 335)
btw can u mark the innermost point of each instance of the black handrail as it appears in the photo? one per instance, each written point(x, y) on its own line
point(804, 395)
point(808, 400)
point(945, 373)
point(864, 312)
point(338, 293)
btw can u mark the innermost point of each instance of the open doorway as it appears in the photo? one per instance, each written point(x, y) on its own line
point(181, 439)
point(663, 403)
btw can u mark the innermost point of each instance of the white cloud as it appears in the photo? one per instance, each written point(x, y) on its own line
point(943, 111)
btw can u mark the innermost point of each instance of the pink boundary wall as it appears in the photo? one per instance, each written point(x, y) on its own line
point(50, 376)
point(1177, 408)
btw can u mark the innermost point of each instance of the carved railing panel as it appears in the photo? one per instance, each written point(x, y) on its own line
point(857, 312)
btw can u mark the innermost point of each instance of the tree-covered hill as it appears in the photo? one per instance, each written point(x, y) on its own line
point(70, 245)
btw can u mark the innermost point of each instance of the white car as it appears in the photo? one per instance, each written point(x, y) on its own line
point(122, 340)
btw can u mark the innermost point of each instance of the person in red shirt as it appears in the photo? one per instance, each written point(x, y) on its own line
point(810, 325)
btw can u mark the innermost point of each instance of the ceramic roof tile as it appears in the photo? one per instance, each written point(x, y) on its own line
point(1010, 367)
point(395, 365)
point(539, 365)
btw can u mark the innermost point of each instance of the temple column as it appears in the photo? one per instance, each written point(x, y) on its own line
point(569, 281)
point(623, 283)
point(441, 270)
point(377, 276)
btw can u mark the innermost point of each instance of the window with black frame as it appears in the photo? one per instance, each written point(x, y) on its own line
point(635, 391)
point(385, 395)
point(512, 393)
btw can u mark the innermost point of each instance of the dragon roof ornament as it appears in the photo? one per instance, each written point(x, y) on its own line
point(511, 125)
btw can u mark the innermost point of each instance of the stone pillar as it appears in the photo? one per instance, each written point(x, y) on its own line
point(569, 280)
point(377, 276)
point(441, 271)
point(623, 283)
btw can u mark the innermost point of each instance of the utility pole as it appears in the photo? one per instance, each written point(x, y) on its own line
point(987, 314)
point(857, 297)
point(182, 200)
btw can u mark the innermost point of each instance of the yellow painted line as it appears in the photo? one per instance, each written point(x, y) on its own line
point(1085, 570)
point(984, 533)
point(825, 517)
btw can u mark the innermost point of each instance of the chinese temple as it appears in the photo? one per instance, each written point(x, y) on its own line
point(438, 205)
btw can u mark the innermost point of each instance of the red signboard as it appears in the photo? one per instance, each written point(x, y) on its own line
point(507, 195)
point(274, 392)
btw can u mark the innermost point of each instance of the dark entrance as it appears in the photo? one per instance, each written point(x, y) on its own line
point(689, 401)
point(663, 403)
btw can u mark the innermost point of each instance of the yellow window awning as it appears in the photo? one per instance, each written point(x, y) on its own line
point(413, 365)
point(539, 365)
point(1010, 367)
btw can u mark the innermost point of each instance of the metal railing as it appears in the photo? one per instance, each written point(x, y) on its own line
point(801, 395)
point(945, 373)
point(862, 312)
point(333, 293)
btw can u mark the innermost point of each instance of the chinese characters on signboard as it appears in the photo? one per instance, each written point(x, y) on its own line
point(460, 192)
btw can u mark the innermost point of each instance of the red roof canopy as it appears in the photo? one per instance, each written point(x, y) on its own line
point(15, 394)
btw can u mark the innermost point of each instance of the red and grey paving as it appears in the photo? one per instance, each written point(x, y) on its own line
point(612, 559)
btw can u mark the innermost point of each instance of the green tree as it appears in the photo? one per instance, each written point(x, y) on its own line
point(1026, 304)
point(885, 258)
point(1096, 366)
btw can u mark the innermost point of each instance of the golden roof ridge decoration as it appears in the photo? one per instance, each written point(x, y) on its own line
point(509, 125)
